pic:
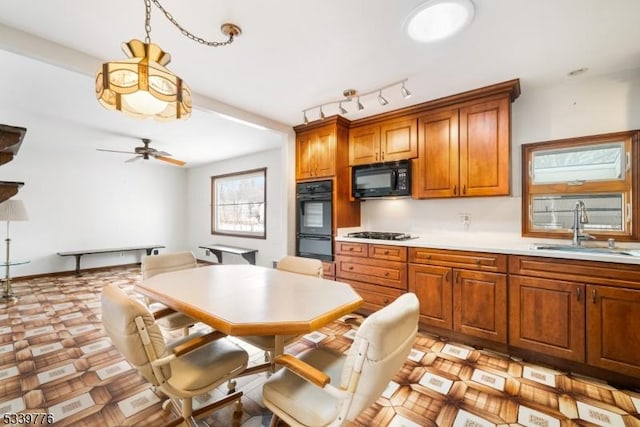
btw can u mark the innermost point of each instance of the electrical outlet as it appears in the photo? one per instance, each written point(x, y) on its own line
point(465, 218)
point(207, 252)
point(155, 252)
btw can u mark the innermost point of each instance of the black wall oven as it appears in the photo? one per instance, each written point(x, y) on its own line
point(313, 220)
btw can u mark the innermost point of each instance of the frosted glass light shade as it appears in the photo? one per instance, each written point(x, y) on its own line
point(439, 19)
point(142, 86)
point(13, 210)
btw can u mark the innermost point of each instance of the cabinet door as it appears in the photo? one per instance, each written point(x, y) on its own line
point(480, 304)
point(435, 172)
point(304, 148)
point(432, 286)
point(613, 337)
point(485, 148)
point(364, 145)
point(323, 155)
point(399, 140)
point(547, 316)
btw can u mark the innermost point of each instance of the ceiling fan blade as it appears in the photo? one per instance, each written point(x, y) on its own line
point(170, 160)
point(161, 153)
point(133, 159)
point(115, 151)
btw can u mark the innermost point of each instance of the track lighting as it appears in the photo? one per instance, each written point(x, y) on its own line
point(381, 99)
point(349, 95)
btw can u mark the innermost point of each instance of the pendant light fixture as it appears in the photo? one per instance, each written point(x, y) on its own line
point(141, 86)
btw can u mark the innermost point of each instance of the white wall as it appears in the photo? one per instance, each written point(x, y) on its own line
point(279, 196)
point(78, 198)
point(583, 105)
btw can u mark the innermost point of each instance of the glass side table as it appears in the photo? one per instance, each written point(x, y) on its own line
point(7, 295)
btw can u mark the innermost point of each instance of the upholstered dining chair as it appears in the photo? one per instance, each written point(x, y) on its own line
point(189, 367)
point(292, 264)
point(322, 387)
point(163, 263)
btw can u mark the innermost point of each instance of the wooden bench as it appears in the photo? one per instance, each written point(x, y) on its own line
point(78, 254)
point(217, 250)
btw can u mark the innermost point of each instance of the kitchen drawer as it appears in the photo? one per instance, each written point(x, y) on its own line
point(388, 252)
point(351, 249)
point(459, 259)
point(328, 269)
point(595, 272)
point(380, 272)
point(375, 297)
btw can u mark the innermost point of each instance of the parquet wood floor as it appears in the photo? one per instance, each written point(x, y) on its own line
point(55, 358)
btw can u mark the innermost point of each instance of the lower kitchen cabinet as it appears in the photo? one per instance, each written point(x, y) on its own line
point(328, 270)
point(547, 316)
point(467, 300)
point(377, 272)
point(613, 335)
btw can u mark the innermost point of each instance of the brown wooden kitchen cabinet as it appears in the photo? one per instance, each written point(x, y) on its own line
point(464, 150)
point(547, 316)
point(613, 335)
point(329, 270)
point(315, 153)
point(377, 272)
point(465, 292)
point(584, 311)
point(383, 142)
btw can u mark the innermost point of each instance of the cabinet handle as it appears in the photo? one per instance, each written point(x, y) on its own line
point(386, 274)
point(464, 189)
point(593, 296)
point(386, 252)
point(386, 301)
point(351, 267)
point(578, 293)
point(478, 262)
point(457, 277)
point(446, 276)
point(351, 248)
point(376, 156)
point(383, 155)
point(455, 190)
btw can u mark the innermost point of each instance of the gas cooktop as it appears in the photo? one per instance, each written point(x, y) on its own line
point(380, 235)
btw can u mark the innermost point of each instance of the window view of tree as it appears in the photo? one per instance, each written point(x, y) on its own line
point(239, 203)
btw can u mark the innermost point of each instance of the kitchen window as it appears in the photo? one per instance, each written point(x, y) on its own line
point(238, 204)
point(599, 171)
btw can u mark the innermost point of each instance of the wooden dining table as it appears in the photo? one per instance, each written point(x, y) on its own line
point(242, 300)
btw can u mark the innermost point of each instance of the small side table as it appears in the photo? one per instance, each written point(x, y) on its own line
point(7, 295)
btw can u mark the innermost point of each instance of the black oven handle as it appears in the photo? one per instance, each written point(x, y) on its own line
point(394, 179)
point(313, 237)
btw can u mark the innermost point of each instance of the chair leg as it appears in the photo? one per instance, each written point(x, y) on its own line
point(274, 421)
point(185, 331)
point(187, 407)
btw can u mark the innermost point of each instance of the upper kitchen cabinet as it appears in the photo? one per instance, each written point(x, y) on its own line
point(464, 151)
point(382, 142)
point(315, 153)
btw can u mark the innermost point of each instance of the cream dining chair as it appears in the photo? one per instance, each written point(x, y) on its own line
point(322, 387)
point(292, 264)
point(163, 263)
point(189, 367)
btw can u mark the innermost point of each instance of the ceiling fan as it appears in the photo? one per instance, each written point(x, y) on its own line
point(146, 152)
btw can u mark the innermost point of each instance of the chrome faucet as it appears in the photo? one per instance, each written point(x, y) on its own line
point(579, 218)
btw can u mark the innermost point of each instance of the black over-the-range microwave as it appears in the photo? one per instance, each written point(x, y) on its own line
point(389, 179)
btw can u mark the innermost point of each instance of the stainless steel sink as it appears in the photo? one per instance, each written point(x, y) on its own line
point(586, 249)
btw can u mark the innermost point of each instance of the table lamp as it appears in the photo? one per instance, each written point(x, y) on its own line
point(10, 210)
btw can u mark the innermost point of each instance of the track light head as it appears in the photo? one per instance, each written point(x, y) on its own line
point(305, 118)
point(405, 92)
point(381, 99)
point(360, 106)
point(342, 109)
point(322, 116)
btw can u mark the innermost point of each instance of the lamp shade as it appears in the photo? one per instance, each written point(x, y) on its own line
point(13, 210)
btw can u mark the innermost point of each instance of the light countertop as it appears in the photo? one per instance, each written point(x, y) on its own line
point(504, 243)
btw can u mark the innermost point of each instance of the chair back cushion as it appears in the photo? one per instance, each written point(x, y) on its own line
point(390, 333)
point(300, 265)
point(156, 264)
point(118, 319)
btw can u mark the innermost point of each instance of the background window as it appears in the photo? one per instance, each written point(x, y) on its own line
point(238, 203)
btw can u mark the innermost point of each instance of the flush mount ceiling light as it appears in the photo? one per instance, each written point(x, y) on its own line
point(141, 86)
point(349, 95)
point(439, 19)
